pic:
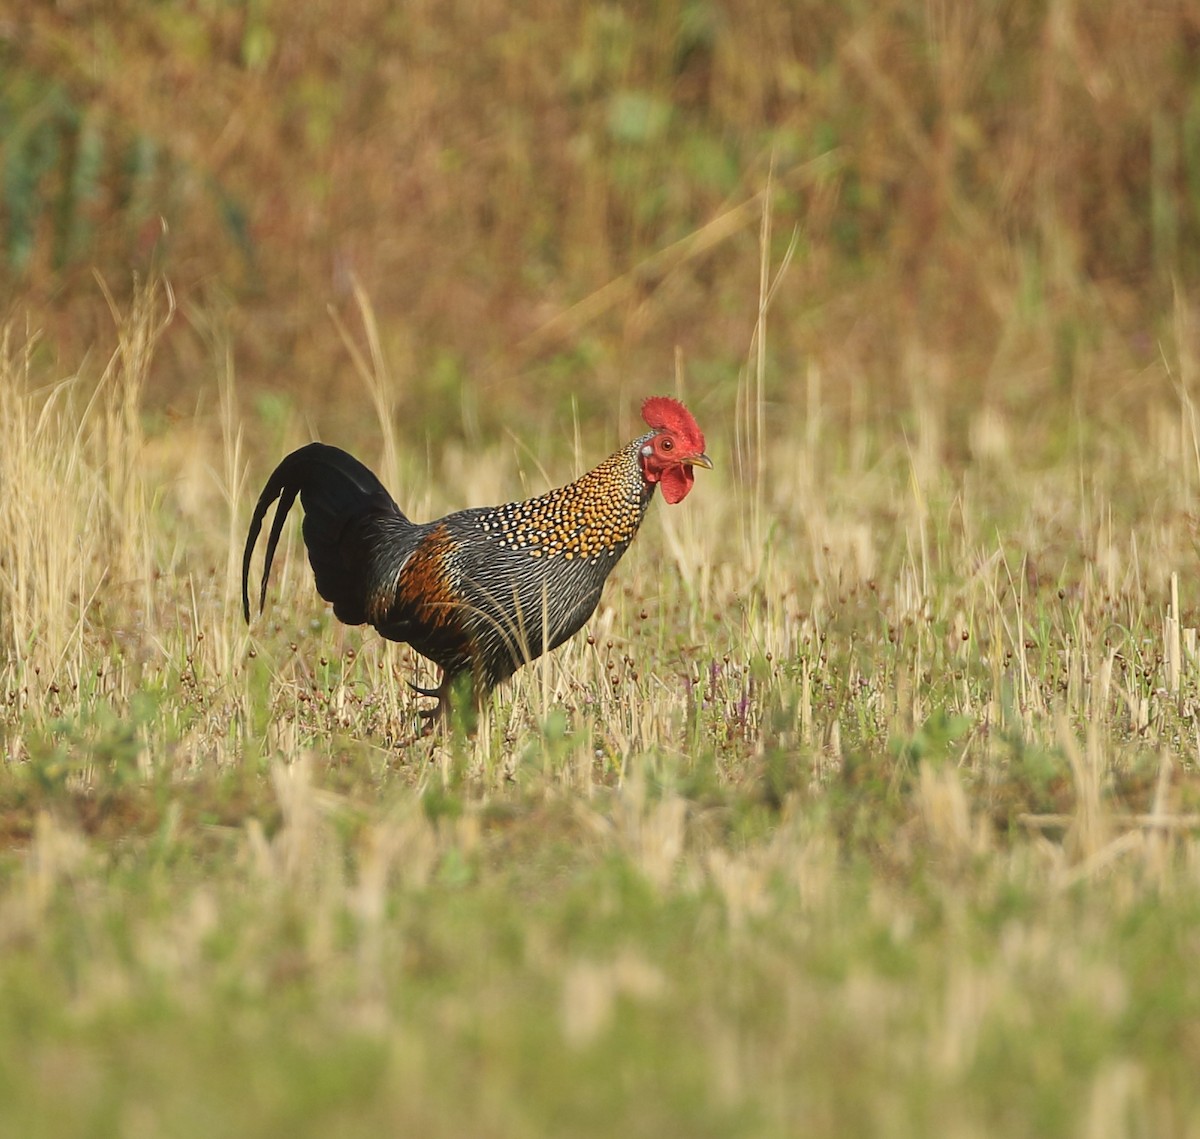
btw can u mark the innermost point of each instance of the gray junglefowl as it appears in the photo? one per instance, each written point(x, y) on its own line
point(486, 590)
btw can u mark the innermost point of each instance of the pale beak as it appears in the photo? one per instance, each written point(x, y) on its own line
point(699, 461)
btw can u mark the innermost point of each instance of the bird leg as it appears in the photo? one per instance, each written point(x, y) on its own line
point(441, 710)
point(450, 694)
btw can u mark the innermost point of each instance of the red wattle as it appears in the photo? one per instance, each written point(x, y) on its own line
point(676, 482)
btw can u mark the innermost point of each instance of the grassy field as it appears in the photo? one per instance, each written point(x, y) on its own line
point(866, 805)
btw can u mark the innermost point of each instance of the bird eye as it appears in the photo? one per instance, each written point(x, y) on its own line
point(667, 444)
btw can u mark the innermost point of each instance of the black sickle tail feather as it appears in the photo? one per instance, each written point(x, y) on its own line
point(341, 499)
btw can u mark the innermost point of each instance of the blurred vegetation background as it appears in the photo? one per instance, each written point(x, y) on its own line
point(544, 202)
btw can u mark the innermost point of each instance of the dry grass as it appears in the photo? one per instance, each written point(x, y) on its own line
point(868, 803)
point(570, 192)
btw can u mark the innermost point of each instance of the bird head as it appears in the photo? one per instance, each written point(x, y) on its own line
point(676, 446)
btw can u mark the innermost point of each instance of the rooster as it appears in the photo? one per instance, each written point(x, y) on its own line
point(485, 590)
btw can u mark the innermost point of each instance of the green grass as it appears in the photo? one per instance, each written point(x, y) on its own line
point(867, 804)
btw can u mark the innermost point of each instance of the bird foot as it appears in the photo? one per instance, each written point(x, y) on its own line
point(446, 700)
point(431, 716)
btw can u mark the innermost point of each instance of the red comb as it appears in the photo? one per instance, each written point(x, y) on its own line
point(666, 414)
